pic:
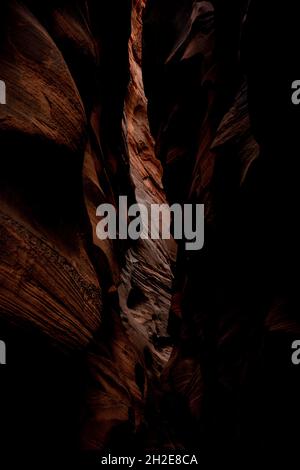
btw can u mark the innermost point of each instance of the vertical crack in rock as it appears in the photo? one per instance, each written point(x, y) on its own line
point(146, 281)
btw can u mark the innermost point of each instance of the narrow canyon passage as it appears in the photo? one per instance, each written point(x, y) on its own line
point(145, 292)
point(126, 347)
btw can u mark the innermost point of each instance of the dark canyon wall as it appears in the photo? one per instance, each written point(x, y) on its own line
point(226, 133)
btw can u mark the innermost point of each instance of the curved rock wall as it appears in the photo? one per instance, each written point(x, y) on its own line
point(224, 127)
point(73, 370)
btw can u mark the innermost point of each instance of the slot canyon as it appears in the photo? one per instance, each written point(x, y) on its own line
point(136, 346)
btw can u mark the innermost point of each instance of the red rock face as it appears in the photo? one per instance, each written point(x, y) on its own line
point(73, 372)
point(109, 345)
